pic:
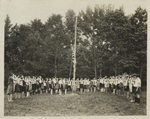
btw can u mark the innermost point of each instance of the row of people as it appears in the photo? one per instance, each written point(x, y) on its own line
point(126, 85)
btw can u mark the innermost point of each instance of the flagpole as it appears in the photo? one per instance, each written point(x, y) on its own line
point(74, 72)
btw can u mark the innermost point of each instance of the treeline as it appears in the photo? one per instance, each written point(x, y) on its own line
point(108, 43)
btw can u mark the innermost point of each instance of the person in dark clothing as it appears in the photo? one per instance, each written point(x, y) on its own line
point(10, 88)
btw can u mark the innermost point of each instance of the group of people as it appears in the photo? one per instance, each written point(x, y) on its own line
point(24, 86)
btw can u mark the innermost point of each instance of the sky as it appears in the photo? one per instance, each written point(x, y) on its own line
point(23, 11)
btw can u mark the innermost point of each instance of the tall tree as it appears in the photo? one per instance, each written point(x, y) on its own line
point(116, 37)
point(56, 43)
point(139, 38)
point(8, 26)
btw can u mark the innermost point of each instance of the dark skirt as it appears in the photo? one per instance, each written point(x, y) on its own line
point(61, 86)
point(81, 85)
point(133, 89)
point(17, 88)
point(34, 87)
point(23, 88)
point(27, 88)
point(66, 86)
point(126, 88)
point(90, 86)
point(94, 85)
point(56, 86)
point(37, 86)
point(85, 86)
point(50, 86)
point(40, 85)
point(114, 86)
point(138, 91)
point(118, 87)
point(109, 85)
point(100, 85)
point(47, 86)
point(69, 87)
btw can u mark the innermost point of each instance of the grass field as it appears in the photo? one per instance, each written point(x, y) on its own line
point(82, 104)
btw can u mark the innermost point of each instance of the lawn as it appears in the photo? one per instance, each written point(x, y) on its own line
point(81, 104)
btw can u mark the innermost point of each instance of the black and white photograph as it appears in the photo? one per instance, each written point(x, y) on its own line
point(75, 58)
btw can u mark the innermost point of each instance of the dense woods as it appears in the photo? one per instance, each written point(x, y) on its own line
point(108, 43)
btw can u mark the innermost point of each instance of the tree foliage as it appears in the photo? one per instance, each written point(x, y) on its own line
point(108, 43)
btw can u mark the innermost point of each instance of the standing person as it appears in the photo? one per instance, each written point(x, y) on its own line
point(113, 83)
point(84, 85)
point(47, 85)
point(121, 86)
point(131, 88)
point(27, 86)
point(49, 81)
point(91, 86)
point(94, 84)
point(52, 86)
point(33, 85)
point(30, 87)
point(137, 86)
point(10, 88)
point(63, 84)
point(69, 85)
point(106, 85)
point(78, 84)
point(118, 81)
point(40, 82)
point(24, 88)
point(98, 84)
point(125, 84)
point(127, 88)
point(88, 85)
point(66, 85)
point(37, 86)
point(134, 87)
point(101, 84)
point(44, 83)
point(56, 87)
point(81, 85)
point(18, 87)
point(60, 86)
point(14, 85)
point(21, 85)
point(54, 83)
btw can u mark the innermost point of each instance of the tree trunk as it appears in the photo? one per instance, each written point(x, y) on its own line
point(115, 69)
point(55, 68)
point(70, 69)
point(100, 71)
point(95, 68)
